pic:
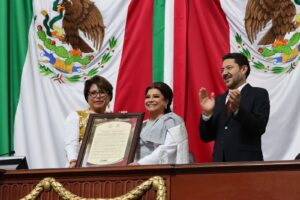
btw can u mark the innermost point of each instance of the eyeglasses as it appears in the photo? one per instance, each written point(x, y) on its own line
point(95, 93)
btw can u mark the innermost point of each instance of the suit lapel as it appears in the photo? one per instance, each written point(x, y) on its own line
point(245, 92)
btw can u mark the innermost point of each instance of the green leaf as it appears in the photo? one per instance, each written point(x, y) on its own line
point(238, 39)
point(112, 42)
point(55, 76)
point(259, 65)
point(45, 70)
point(92, 72)
point(294, 39)
point(246, 53)
point(74, 78)
point(278, 70)
point(105, 58)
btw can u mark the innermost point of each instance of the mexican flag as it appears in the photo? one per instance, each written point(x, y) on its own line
point(179, 42)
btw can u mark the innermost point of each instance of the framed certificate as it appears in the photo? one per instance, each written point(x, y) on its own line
point(110, 139)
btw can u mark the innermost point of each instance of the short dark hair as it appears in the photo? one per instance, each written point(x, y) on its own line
point(165, 90)
point(239, 59)
point(101, 83)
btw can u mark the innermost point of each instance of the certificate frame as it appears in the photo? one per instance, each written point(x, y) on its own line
point(110, 139)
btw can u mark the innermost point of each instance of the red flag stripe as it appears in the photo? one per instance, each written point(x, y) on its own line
point(208, 40)
point(180, 65)
point(135, 71)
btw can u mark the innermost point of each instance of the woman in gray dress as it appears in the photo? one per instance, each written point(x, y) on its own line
point(163, 139)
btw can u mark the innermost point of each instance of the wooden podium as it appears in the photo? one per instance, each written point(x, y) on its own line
point(239, 180)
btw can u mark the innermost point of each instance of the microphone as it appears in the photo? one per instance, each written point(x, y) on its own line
point(11, 152)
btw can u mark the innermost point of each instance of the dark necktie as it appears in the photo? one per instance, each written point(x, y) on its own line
point(227, 109)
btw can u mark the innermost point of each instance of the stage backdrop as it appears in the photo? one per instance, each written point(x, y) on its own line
point(180, 42)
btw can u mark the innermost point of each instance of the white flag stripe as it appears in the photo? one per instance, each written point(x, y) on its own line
point(169, 43)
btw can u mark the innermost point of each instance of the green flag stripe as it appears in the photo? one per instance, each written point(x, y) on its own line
point(158, 40)
point(16, 17)
point(21, 14)
point(4, 122)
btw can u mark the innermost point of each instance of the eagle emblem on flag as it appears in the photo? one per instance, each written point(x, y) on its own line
point(70, 41)
point(85, 16)
point(277, 50)
point(260, 12)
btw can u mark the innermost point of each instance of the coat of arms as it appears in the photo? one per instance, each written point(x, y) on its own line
point(279, 47)
point(70, 38)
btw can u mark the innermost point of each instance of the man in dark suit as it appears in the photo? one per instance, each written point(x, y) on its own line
point(236, 119)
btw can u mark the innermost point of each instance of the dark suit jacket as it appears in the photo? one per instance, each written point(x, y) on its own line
point(238, 137)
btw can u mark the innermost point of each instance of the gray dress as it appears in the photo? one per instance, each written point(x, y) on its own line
point(153, 135)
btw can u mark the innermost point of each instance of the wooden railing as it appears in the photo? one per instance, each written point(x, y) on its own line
point(240, 180)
